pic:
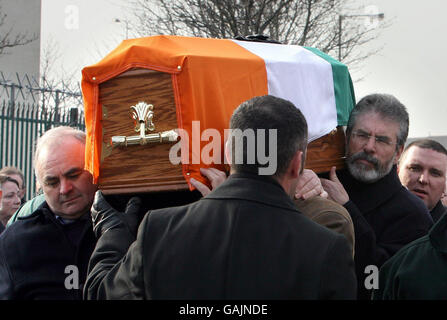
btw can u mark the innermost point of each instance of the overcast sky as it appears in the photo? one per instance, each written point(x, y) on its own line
point(410, 65)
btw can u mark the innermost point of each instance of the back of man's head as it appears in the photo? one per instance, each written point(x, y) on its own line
point(271, 126)
point(388, 107)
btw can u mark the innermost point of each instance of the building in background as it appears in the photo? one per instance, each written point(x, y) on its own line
point(20, 119)
point(20, 17)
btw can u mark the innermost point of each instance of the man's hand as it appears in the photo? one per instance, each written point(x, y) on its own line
point(104, 217)
point(216, 178)
point(334, 188)
point(309, 186)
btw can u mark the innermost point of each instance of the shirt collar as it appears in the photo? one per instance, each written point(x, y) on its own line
point(64, 221)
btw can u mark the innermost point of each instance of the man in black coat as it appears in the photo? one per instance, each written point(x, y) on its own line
point(244, 240)
point(45, 255)
point(385, 214)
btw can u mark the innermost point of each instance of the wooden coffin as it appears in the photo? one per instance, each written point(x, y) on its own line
point(146, 168)
point(326, 152)
point(137, 168)
point(171, 82)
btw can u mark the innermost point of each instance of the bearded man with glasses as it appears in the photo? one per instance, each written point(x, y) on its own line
point(385, 214)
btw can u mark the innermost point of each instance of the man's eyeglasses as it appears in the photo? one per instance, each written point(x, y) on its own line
point(363, 137)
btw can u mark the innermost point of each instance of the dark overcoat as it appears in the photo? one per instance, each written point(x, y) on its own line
point(386, 217)
point(419, 270)
point(40, 258)
point(438, 211)
point(245, 240)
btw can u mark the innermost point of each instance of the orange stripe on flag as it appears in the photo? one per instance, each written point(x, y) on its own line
point(211, 78)
point(217, 76)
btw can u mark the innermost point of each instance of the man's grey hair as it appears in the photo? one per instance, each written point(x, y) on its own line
point(388, 107)
point(56, 136)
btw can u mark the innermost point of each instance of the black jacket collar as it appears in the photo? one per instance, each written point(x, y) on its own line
point(44, 211)
point(368, 196)
point(438, 211)
point(252, 187)
point(438, 234)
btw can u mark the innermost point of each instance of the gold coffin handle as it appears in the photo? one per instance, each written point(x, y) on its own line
point(143, 113)
point(159, 137)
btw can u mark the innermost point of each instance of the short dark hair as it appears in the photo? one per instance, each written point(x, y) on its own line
point(269, 112)
point(4, 178)
point(388, 107)
point(425, 144)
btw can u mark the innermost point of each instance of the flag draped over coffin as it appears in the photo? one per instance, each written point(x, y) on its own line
point(211, 77)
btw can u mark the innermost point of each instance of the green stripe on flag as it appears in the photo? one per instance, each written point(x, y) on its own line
point(343, 88)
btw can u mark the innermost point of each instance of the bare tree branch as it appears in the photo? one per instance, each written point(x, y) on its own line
point(55, 78)
point(9, 39)
point(311, 23)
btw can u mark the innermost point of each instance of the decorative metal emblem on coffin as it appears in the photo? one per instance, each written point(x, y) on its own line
point(143, 114)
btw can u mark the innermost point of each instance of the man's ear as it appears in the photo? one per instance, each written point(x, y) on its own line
point(296, 164)
point(228, 151)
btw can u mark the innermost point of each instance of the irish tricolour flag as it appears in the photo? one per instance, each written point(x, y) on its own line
point(317, 84)
point(211, 77)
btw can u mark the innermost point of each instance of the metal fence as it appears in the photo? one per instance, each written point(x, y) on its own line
point(49, 94)
point(21, 123)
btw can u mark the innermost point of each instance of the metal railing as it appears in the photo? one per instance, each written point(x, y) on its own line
point(47, 94)
point(21, 122)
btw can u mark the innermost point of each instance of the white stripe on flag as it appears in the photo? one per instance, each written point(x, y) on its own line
point(296, 74)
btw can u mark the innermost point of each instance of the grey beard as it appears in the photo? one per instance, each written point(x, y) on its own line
point(367, 175)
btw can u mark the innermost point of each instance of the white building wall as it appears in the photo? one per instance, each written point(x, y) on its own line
point(23, 16)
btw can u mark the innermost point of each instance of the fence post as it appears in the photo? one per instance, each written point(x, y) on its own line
point(12, 101)
point(20, 126)
point(56, 118)
point(73, 117)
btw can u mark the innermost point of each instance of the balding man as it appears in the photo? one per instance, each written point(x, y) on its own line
point(45, 255)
